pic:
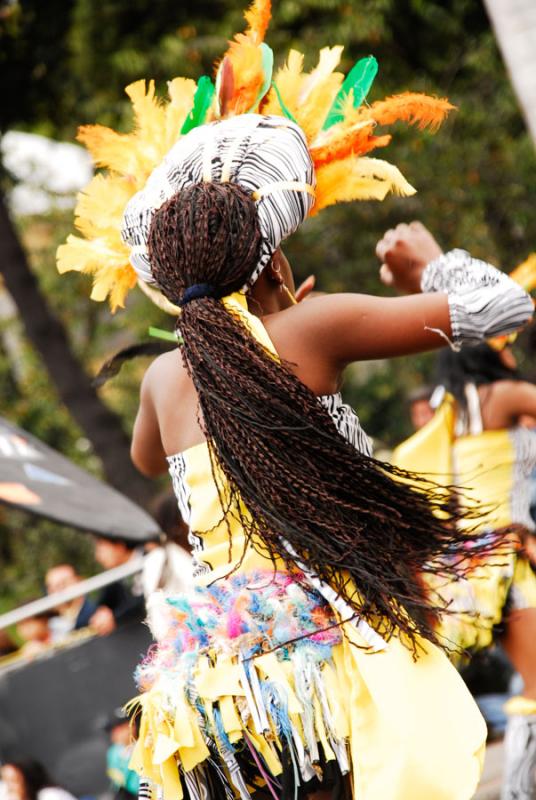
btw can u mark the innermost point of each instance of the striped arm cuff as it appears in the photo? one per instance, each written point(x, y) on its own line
point(483, 301)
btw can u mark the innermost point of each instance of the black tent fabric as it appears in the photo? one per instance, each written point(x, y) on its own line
point(55, 708)
point(37, 479)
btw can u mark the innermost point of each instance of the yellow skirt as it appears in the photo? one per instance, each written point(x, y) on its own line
point(255, 677)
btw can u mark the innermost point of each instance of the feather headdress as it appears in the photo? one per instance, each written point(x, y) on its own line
point(330, 109)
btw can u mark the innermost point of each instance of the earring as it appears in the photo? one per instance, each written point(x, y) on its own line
point(284, 288)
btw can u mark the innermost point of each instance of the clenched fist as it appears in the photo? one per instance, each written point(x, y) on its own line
point(404, 252)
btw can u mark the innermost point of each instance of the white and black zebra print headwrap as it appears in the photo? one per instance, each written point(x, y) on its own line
point(265, 155)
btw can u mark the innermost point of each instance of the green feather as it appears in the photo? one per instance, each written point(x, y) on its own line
point(167, 336)
point(202, 100)
point(267, 69)
point(359, 80)
point(284, 109)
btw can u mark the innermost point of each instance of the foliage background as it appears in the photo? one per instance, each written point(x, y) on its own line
point(66, 62)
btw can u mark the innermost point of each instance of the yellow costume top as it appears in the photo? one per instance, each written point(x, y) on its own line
point(255, 668)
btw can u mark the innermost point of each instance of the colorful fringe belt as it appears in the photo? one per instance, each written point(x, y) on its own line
point(242, 675)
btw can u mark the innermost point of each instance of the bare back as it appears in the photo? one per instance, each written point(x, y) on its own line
point(175, 399)
point(316, 339)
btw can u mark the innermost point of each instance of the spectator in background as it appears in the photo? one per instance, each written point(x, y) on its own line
point(121, 601)
point(74, 614)
point(26, 779)
point(420, 410)
point(7, 646)
point(35, 633)
point(124, 780)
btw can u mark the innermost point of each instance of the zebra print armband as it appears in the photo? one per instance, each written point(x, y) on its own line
point(483, 301)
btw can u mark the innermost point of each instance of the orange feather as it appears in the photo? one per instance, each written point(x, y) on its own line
point(357, 141)
point(258, 17)
point(246, 61)
point(413, 108)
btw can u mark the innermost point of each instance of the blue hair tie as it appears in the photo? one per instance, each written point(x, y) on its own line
point(197, 291)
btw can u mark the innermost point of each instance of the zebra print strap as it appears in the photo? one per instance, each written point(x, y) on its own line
point(483, 301)
point(145, 791)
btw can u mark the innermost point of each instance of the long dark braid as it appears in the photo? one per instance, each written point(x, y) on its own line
point(340, 510)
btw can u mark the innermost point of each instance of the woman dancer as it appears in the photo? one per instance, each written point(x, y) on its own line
point(240, 426)
point(303, 663)
point(491, 454)
point(496, 457)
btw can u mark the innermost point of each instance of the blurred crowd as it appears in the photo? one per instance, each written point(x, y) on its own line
point(24, 778)
point(166, 566)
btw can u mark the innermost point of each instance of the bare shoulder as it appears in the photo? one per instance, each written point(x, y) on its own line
point(165, 369)
point(510, 399)
point(320, 314)
point(513, 389)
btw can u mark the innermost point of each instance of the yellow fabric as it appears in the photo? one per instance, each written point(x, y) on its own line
point(413, 730)
point(524, 706)
point(429, 450)
point(483, 466)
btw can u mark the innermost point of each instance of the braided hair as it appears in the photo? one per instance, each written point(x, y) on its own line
point(290, 474)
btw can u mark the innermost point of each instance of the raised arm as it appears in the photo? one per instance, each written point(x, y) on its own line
point(453, 299)
point(483, 301)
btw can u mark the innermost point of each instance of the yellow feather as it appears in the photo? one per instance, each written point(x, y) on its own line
point(130, 158)
point(106, 258)
point(383, 170)
point(149, 113)
point(358, 179)
point(525, 273)
point(102, 203)
point(329, 58)
point(150, 125)
point(311, 114)
point(181, 97)
point(318, 91)
point(135, 154)
point(83, 255)
point(116, 287)
point(115, 151)
point(289, 80)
